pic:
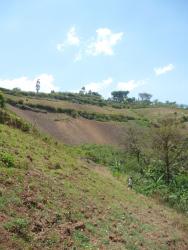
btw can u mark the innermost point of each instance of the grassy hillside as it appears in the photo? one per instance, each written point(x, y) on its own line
point(75, 123)
point(94, 112)
point(51, 197)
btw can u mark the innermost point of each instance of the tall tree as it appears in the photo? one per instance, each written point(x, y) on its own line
point(135, 144)
point(119, 96)
point(38, 86)
point(169, 145)
point(145, 96)
point(82, 91)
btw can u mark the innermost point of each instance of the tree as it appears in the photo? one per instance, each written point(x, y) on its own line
point(119, 96)
point(145, 96)
point(38, 86)
point(169, 145)
point(131, 100)
point(92, 93)
point(16, 89)
point(135, 140)
point(2, 100)
point(82, 91)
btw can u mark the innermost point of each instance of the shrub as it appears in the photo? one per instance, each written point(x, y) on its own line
point(2, 100)
point(20, 101)
point(7, 159)
point(57, 165)
point(13, 121)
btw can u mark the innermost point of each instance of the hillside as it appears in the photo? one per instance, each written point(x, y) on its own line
point(62, 186)
point(73, 131)
point(75, 123)
point(52, 199)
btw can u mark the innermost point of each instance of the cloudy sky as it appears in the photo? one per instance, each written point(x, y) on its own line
point(104, 45)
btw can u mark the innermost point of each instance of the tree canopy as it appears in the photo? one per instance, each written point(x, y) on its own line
point(169, 145)
point(119, 96)
point(145, 96)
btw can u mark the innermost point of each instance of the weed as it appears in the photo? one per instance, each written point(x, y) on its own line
point(18, 226)
point(57, 165)
point(81, 239)
point(7, 159)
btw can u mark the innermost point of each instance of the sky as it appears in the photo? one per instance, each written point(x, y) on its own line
point(104, 45)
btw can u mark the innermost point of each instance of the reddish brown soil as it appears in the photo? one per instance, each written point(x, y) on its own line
point(74, 131)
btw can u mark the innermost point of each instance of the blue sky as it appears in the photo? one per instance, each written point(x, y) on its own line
point(105, 45)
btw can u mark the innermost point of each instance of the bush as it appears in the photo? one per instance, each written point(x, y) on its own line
point(7, 159)
point(2, 100)
point(21, 101)
point(72, 112)
point(103, 154)
point(13, 121)
point(57, 165)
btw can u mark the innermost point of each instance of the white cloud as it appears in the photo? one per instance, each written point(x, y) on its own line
point(26, 84)
point(130, 85)
point(71, 40)
point(164, 70)
point(60, 47)
point(104, 42)
point(98, 86)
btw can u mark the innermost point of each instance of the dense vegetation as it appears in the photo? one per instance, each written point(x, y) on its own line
point(2, 100)
point(156, 159)
point(150, 182)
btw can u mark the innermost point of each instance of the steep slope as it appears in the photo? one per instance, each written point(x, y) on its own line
point(51, 199)
point(74, 131)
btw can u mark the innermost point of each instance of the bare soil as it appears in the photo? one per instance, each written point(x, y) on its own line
point(74, 131)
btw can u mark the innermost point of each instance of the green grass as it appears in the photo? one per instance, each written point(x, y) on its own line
point(49, 188)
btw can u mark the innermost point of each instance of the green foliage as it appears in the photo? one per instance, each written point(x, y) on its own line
point(85, 194)
point(118, 167)
point(119, 99)
point(2, 100)
point(119, 96)
point(102, 154)
point(13, 121)
point(18, 226)
point(81, 239)
point(7, 159)
point(184, 118)
point(145, 97)
point(149, 182)
point(174, 195)
point(169, 146)
point(71, 112)
point(87, 98)
point(57, 165)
